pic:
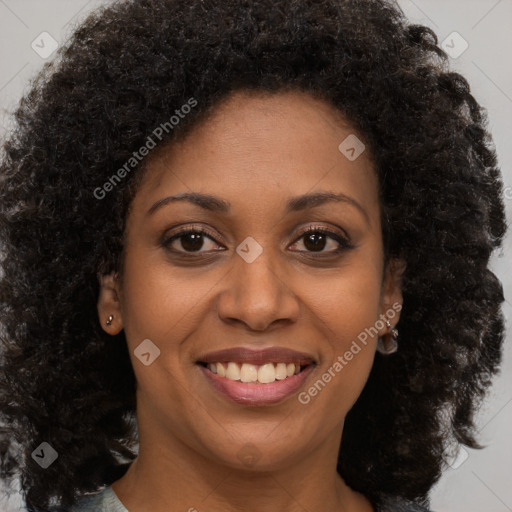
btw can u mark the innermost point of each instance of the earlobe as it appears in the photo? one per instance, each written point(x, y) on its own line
point(392, 300)
point(109, 305)
point(391, 305)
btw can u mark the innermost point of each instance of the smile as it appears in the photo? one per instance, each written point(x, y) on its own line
point(254, 385)
point(262, 374)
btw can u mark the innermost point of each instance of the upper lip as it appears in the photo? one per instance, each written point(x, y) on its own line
point(257, 357)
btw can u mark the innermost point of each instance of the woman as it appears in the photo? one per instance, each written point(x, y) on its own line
point(252, 238)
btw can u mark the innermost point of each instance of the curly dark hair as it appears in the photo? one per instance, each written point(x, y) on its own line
point(124, 72)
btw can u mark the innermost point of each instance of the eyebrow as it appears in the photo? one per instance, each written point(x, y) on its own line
point(294, 204)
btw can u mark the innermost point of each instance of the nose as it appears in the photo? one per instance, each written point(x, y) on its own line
point(257, 294)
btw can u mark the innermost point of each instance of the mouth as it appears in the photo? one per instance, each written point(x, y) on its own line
point(256, 378)
point(252, 373)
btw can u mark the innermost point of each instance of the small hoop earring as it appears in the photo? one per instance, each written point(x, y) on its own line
point(389, 345)
point(109, 321)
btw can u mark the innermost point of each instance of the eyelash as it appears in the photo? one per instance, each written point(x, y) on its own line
point(342, 241)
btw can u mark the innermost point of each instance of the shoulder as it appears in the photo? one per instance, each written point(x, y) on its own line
point(398, 504)
point(104, 501)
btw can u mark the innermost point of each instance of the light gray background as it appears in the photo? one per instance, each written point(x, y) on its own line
point(481, 482)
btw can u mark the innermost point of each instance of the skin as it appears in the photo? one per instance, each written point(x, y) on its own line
point(256, 151)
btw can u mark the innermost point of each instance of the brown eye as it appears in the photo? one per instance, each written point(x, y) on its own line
point(190, 240)
point(317, 239)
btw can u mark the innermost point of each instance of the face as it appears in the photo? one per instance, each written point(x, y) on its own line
point(285, 253)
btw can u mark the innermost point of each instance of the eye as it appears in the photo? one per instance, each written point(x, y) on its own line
point(317, 238)
point(190, 240)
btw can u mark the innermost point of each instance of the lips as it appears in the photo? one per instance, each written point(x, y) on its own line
point(244, 392)
point(243, 355)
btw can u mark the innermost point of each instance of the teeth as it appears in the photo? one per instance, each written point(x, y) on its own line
point(281, 371)
point(233, 372)
point(221, 370)
point(248, 373)
point(262, 374)
point(266, 373)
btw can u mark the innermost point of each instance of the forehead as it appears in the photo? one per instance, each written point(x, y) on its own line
point(264, 146)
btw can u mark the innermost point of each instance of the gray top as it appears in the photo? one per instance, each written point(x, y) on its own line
point(104, 501)
point(107, 501)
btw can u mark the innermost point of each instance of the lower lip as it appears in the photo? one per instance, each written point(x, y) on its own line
point(257, 394)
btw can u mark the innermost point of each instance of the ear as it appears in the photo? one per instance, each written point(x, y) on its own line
point(109, 306)
point(391, 296)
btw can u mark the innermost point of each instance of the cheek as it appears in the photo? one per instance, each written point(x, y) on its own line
point(158, 300)
point(346, 312)
point(160, 304)
point(347, 301)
